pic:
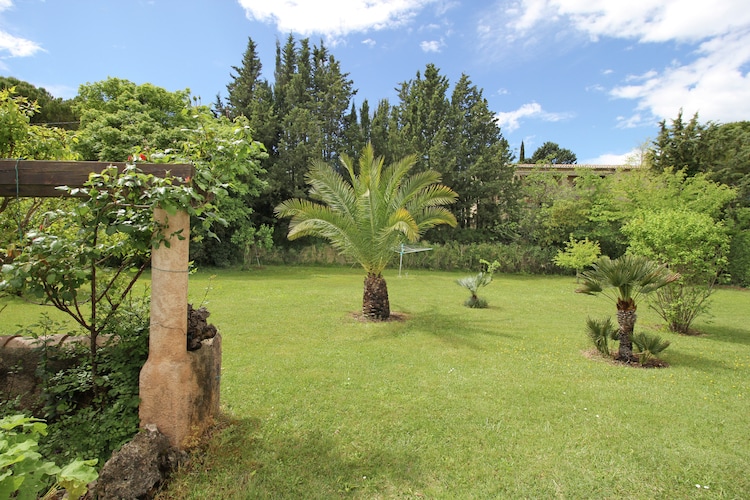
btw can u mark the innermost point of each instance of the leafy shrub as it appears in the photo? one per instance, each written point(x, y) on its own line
point(88, 422)
point(578, 254)
point(450, 256)
point(691, 243)
point(601, 331)
point(24, 473)
point(680, 303)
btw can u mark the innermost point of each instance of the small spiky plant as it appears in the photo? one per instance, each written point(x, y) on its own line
point(473, 284)
point(648, 346)
point(601, 331)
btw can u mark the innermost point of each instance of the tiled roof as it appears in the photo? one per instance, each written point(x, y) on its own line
point(569, 166)
point(570, 169)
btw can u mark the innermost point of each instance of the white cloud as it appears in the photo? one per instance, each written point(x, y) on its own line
point(369, 42)
point(333, 18)
point(16, 46)
point(644, 20)
point(635, 120)
point(715, 85)
point(431, 46)
point(614, 159)
point(713, 81)
point(511, 120)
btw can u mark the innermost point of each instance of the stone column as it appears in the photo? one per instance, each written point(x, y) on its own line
point(168, 385)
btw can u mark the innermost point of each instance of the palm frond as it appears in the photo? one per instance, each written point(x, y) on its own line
point(652, 344)
point(374, 210)
point(330, 187)
point(434, 216)
point(625, 278)
point(474, 283)
point(600, 331)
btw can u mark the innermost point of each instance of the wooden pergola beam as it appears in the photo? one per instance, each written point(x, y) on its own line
point(40, 178)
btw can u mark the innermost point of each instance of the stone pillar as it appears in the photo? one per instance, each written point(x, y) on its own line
point(172, 396)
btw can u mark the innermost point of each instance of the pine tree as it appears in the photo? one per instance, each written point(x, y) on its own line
point(245, 79)
point(459, 138)
point(423, 114)
point(481, 161)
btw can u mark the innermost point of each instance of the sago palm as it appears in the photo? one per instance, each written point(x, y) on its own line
point(368, 212)
point(623, 280)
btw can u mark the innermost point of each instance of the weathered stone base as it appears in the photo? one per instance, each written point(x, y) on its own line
point(181, 397)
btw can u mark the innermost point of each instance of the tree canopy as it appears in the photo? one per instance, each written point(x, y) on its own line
point(551, 152)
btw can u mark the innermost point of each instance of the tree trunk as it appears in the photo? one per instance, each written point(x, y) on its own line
point(626, 319)
point(375, 304)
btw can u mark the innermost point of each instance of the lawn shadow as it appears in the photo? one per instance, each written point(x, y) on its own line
point(726, 334)
point(249, 461)
point(467, 330)
point(679, 358)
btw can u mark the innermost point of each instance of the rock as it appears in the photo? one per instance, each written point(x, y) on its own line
point(198, 328)
point(139, 468)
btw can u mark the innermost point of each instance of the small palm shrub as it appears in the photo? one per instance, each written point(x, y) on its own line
point(474, 283)
point(601, 331)
point(648, 346)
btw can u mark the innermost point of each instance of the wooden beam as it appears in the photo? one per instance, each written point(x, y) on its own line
point(41, 177)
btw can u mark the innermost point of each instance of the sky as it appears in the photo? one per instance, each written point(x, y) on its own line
point(593, 76)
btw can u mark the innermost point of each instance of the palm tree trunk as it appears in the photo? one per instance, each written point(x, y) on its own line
point(626, 319)
point(375, 304)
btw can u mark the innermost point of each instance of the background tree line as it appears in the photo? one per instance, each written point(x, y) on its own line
point(308, 112)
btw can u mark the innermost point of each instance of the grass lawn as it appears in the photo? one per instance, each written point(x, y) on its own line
point(456, 403)
point(463, 403)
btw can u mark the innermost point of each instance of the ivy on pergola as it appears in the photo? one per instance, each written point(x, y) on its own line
point(41, 178)
point(170, 396)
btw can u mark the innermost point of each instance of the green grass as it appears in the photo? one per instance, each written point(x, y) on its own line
point(462, 403)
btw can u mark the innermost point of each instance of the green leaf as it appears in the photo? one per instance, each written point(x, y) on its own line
point(75, 477)
point(9, 484)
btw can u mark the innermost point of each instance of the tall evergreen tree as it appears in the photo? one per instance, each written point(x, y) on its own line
point(383, 129)
point(245, 79)
point(331, 94)
point(729, 157)
point(301, 117)
point(522, 154)
point(481, 161)
point(353, 134)
point(680, 146)
point(423, 114)
point(459, 138)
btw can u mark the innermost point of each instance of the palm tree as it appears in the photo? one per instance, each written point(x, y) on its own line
point(368, 213)
point(473, 284)
point(623, 280)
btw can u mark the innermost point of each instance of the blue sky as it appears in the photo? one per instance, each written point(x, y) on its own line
point(595, 77)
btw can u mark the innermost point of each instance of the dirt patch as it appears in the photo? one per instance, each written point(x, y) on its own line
point(595, 355)
point(395, 316)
